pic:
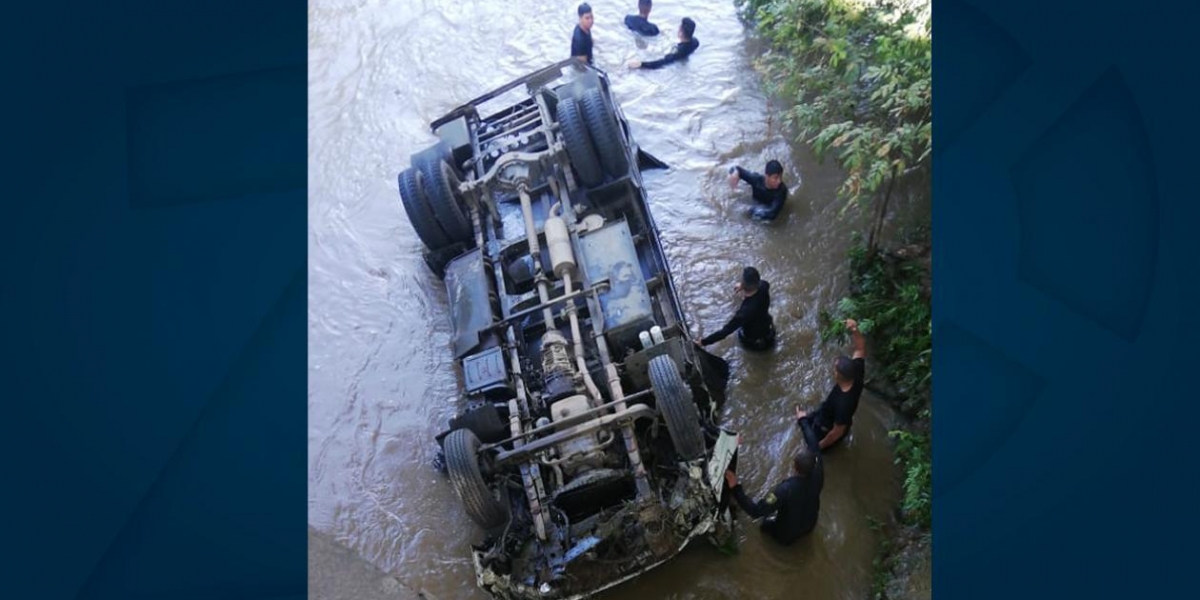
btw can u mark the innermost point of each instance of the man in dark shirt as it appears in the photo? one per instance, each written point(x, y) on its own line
point(640, 23)
point(686, 46)
point(768, 191)
point(752, 321)
point(833, 419)
point(581, 40)
point(790, 510)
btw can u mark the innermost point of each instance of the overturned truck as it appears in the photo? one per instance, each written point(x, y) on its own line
point(587, 446)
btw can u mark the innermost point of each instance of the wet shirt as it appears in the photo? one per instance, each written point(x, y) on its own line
point(790, 510)
point(771, 199)
point(682, 50)
point(753, 317)
point(581, 44)
point(839, 406)
point(639, 24)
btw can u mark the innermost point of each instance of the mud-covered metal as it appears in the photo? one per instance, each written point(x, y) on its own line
point(609, 254)
point(470, 310)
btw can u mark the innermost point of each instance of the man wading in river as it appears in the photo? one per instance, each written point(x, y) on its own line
point(833, 419)
point(769, 191)
point(581, 41)
point(790, 510)
point(752, 321)
point(686, 46)
point(640, 23)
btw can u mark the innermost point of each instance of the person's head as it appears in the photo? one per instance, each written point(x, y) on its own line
point(844, 370)
point(774, 174)
point(750, 280)
point(644, 7)
point(687, 27)
point(585, 16)
point(804, 460)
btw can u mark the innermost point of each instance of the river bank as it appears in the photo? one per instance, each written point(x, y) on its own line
point(854, 77)
point(379, 332)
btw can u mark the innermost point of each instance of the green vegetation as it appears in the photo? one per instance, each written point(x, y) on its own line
point(858, 77)
point(912, 451)
point(891, 299)
point(879, 565)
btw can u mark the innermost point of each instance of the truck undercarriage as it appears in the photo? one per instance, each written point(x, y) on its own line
point(588, 448)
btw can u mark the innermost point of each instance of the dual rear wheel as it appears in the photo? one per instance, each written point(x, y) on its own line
point(592, 135)
point(435, 209)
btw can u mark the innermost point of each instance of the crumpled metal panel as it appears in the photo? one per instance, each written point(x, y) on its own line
point(609, 253)
point(470, 310)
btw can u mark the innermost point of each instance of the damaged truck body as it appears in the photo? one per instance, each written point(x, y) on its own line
point(586, 447)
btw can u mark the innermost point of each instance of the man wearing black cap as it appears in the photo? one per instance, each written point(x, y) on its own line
point(768, 191)
point(581, 40)
point(752, 321)
point(833, 419)
point(789, 511)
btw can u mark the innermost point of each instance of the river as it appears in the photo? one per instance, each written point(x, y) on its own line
point(380, 381)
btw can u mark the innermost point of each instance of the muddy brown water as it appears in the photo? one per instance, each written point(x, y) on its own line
point(380, 381)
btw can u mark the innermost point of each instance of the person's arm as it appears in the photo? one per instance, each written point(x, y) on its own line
point(860, 343)
point(757, 510)
point(723, 332)
point(734, 323)
point(810, 434)
point(674, 56)
point(834, 435)
point(750, 177)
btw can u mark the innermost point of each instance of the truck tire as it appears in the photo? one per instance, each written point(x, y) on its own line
point(606, 132)
point(444, 201)
point(578, 142)
point(420, 214)
point(674, 400)
point(462, 462)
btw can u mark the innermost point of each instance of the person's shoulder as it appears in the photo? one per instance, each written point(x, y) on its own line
point(789, 486)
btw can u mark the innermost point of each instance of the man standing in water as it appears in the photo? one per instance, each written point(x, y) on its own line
point(752, 321)
point(581, 41)
point(769, 191)
point(686, 46)
point(640, 23)
point(790, 510)
point(833, 419)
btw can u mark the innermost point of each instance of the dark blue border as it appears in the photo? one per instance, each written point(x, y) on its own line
point(153, 353)
point(1065, 205)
